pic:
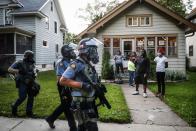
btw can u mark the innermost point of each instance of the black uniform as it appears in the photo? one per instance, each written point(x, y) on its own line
point(65, 97)
point(24, 81)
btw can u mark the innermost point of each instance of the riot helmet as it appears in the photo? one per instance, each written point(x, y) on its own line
point(68, 52)
point(28, 56)
point(88, 48)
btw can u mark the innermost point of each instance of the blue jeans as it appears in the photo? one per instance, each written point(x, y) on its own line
point(131, 77)
point(22, 93)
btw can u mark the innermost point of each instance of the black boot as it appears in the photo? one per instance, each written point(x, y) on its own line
point(73, 128)
point(14, 111)
point(50, 123)
point(30, 114)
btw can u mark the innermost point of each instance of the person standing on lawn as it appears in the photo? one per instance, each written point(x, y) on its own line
point(64, 92)
point(142, 72)
point(131, 70)
point(24, 75)
point(161, 64)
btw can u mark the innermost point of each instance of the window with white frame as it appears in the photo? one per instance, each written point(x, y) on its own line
point(139, 44)
point(132, 21)
point(45, 43)
point(107, 45)
point(55, 27)
point(151, 45)
point(145, 21)
point(161, 44)
point(116, 45)
point(142, 20)
point(191, 50)
point(172, 46)
point(51, 8)
point(23, 43)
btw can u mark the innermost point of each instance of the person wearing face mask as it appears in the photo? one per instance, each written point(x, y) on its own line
point(24, 72)
point(68, 55)
point(81, 76)
point(161, 64)
point(142, 72)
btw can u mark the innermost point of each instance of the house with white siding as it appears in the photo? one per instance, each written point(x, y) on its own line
point(137, 24)
point(191, 40)
point(36, 25)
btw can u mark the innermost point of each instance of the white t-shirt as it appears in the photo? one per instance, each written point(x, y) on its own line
point(118, 59)
point(160, 63)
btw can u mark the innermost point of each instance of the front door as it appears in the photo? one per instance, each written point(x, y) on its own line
point(127, 47)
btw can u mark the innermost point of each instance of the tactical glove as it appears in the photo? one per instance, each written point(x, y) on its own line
point(86, 87)
point(22, 72)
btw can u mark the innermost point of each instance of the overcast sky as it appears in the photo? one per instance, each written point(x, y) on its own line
point(70, 9)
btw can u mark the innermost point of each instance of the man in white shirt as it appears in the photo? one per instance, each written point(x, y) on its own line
point(161, 64)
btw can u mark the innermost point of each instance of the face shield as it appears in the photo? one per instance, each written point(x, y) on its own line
point(93, 54)
point(88, 47)
point(72, 54)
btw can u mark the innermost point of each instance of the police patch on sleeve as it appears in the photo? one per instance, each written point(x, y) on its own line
point(73, 66)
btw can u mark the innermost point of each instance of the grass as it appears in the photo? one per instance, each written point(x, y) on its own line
point(48, 99)
point(181, 97)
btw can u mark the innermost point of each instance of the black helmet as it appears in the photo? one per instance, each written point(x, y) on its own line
point(68, 52)
point(88, 47)
point(28, 56)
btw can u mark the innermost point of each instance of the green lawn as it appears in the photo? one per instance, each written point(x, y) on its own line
point(181, 97)
point(48, 99)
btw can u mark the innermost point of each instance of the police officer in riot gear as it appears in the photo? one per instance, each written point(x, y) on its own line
point(64, 92)
point(79, 75)
point(24, 75)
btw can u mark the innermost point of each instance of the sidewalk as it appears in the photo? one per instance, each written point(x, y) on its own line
point(151, 110)
point(148, 114)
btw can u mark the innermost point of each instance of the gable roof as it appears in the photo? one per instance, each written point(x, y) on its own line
point(192, 15)
point(126, 4)
point(30, 5)
point(35, 7)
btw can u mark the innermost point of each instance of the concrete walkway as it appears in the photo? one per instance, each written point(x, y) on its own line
point(151, 110)
point(148, 114)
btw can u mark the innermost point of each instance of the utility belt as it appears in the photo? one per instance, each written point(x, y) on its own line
point(83, 99)
point(83, 103)
point(86, 106)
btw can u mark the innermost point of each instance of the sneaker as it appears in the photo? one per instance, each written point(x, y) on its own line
point(133, 85)
point(50, 123)
point(135, 93)
point(145, 95)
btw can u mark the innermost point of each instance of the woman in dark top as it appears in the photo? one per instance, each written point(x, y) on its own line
point(142, 72)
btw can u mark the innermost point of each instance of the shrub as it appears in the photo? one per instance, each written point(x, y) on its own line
point(175, 75)
point(152, 74)
point(107, 69)
point(192, 69)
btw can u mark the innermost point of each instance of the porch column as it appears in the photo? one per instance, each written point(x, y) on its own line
point(14, 43)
